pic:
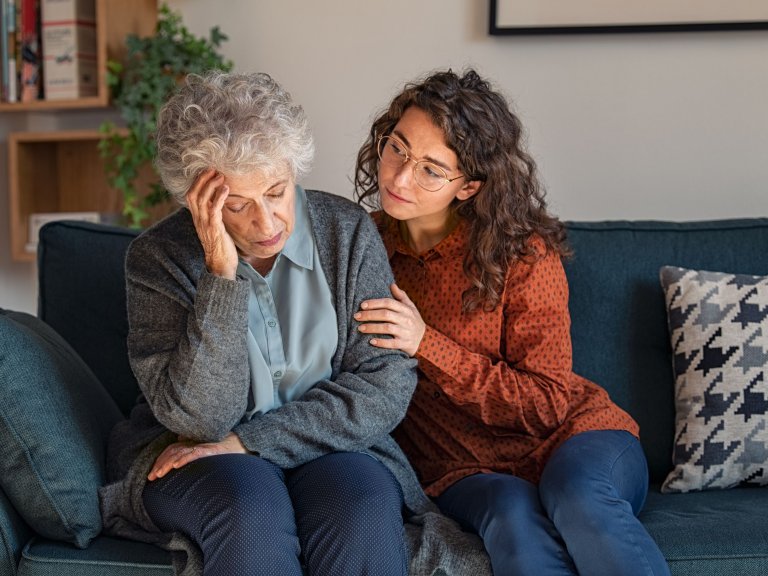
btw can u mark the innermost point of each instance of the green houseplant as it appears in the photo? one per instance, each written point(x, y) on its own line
point(140, 85)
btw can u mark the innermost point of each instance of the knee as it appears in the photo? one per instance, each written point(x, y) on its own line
point(243, 494)
point(507, 504)
point(568, 500)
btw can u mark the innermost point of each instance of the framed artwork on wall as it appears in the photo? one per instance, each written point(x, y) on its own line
point(509, 17)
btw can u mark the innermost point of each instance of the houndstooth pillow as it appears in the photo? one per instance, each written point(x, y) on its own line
point(718, 325)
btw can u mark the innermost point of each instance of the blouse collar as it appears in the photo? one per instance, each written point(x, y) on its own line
point(452, 245)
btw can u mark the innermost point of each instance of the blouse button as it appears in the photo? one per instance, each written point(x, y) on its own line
point(271, 323)
point(435, 394)
point(277, 374)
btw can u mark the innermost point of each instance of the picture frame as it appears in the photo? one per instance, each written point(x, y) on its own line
point(528, 17)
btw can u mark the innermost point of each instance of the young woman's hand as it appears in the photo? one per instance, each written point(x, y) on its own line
point(183, 452)
point(205, 200)
point(396, 317)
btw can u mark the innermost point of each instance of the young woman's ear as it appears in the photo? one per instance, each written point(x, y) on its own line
point(469, 189)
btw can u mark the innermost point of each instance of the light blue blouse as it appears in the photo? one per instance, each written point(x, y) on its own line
point(292, 327)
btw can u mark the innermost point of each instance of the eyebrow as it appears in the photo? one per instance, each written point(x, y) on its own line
point(275, 185)
point(443, 165)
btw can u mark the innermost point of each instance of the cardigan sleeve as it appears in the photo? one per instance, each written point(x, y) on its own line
point(368, 394)
point(528, 388)
point(186, 340)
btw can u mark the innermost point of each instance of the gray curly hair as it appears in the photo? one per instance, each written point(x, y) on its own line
point(233, 123)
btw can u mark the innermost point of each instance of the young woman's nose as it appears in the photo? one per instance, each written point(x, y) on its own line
point(404, 174)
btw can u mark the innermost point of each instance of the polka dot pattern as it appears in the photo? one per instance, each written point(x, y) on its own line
point(338, 514)
point(496, 389)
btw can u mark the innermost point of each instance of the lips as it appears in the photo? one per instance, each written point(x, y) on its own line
point(396, 198)
point(271, 241)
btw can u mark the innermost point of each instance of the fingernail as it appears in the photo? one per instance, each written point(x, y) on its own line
point(364, 305)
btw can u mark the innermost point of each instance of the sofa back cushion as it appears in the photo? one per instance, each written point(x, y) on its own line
point(81, 271)
point(619, 323)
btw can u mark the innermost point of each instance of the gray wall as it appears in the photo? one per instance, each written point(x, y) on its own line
point(635, 126)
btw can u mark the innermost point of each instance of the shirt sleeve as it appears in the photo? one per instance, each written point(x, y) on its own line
point(528, 388)
point(186, 341)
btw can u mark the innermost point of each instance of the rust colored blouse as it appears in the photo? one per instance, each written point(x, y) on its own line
point(496, 390)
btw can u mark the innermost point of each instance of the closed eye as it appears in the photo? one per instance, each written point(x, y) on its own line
point(236, 208)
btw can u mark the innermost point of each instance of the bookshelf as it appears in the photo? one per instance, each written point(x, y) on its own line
point(61, 171)
point(115, 19)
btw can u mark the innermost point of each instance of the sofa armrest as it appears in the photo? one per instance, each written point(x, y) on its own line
point(14, 534)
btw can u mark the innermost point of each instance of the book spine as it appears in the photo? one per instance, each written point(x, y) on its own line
point(11, 93)
point(68, 32)
point(31, 65)
point(3, 53)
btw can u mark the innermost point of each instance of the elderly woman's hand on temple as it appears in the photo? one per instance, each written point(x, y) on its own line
point(205, 200)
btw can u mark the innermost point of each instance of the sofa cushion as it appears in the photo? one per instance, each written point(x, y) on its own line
point(104, 557)
point(710, 533)
point(718, 326)
point(14, 534)
point(54, 421)
point(82, 296)
point(619, 321)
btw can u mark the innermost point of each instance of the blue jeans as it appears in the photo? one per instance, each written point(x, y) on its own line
point(339, 514)
point(580, 519)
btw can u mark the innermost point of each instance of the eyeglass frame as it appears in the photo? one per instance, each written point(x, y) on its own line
point(409, 157)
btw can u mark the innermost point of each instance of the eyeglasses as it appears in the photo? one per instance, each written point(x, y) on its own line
point(392, 152)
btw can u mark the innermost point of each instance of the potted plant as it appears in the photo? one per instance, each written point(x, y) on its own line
point(140, 85)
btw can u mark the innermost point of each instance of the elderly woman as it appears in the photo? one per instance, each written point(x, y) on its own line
point(262, 432)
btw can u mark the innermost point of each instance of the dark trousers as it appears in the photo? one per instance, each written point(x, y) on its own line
point(580, 519)
point(340, 514)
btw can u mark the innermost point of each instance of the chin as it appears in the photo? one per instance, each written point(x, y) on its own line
point(396, 211)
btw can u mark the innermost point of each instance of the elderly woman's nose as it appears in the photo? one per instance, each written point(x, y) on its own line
point(262, 218)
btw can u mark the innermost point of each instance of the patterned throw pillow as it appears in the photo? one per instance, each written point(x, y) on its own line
point(718, 325)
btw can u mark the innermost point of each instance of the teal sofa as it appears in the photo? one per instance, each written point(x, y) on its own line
point(620, 340)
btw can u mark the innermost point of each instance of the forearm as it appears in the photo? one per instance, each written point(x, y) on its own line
point(350, 413)
point(190, 357)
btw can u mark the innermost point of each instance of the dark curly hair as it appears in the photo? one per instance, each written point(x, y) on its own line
point(487, 137)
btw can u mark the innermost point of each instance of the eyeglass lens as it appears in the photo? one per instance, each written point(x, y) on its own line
point(393, 153)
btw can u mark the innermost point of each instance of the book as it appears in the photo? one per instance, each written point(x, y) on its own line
point(3, 53)
point(10, 69)
point(38, 219)
point(68, 29)
point(30, 80)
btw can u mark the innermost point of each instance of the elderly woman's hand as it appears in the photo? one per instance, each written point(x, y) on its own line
point(183, 452)
point(396, 317)
point(205, 201)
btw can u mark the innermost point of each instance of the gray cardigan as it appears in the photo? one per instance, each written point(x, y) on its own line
point(198, 387)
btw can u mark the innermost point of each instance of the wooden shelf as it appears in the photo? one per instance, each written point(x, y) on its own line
point(63, 171)
point(54, 172)
point(115, 19)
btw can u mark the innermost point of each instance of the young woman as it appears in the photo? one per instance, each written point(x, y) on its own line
point(504, 436)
